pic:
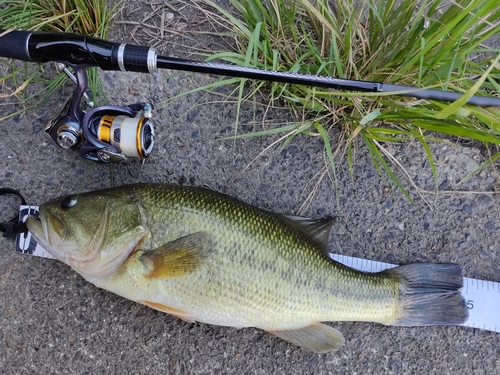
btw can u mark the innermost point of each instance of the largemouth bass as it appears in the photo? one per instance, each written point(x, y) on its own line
point(203, 256)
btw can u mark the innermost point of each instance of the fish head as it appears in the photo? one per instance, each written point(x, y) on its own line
point(94, 233)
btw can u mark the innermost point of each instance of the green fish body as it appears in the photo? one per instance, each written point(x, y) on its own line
point(202, 256)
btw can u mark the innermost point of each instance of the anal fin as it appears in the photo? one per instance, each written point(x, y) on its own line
point(183, 315)
point(318, 338)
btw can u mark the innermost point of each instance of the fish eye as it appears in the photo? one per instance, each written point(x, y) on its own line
point(68, 202)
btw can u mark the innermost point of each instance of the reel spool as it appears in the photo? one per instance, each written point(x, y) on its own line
point(131, 136)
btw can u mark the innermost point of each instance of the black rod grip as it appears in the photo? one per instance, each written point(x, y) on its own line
point(72, 48)
point(14, 44)
point(77, 49)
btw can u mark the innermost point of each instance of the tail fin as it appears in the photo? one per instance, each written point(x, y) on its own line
point(430, 294)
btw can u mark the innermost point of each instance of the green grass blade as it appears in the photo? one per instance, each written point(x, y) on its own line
point(456, 105)
point(326, 140)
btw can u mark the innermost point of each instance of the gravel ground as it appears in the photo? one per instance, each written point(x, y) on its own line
point(52, 321)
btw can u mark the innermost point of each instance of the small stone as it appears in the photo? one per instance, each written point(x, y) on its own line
point(467, 209)
point(462, 244)
point(322, 211)
point(173, 363)
point(292, 151)
point(71, 338)
point(482, 253)
point(485, 200)
point(390, 258)
point(444, 185)
point(489, 225)
point(466, 162)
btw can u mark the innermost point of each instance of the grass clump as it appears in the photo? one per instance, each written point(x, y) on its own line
point(88, 17)
point(434, 44)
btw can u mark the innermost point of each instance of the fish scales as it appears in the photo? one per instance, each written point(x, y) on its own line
point(252, 238)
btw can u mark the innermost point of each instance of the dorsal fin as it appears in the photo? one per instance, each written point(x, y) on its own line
point(179, 257)
point(317, 230)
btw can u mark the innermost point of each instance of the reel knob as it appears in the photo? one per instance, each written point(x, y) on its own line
point(68, 137)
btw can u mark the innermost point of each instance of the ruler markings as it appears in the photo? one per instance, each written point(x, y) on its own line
point(479, 295)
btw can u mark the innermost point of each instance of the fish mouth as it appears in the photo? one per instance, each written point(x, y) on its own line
point(36, 229)
point(48, 230)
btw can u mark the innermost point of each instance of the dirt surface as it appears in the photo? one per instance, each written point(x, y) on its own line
point(52, 321)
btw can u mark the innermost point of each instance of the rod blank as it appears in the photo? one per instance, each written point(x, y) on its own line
point(320, 81)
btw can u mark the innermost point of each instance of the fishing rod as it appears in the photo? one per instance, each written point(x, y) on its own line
point(111, 133)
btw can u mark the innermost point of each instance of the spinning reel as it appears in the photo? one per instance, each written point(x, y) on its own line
point(107, 134)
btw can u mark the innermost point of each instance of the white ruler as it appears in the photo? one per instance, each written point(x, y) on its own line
point(482, 298)
point(25, 243)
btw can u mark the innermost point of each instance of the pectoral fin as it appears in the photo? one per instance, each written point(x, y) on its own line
point(318, 338)
point(179, 257)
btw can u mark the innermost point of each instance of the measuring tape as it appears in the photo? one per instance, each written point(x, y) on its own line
point(481, 297)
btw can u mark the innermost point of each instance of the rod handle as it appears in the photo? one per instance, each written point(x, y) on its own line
point(14, 44)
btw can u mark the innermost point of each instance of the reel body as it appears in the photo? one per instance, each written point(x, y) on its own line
point(106, 134)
